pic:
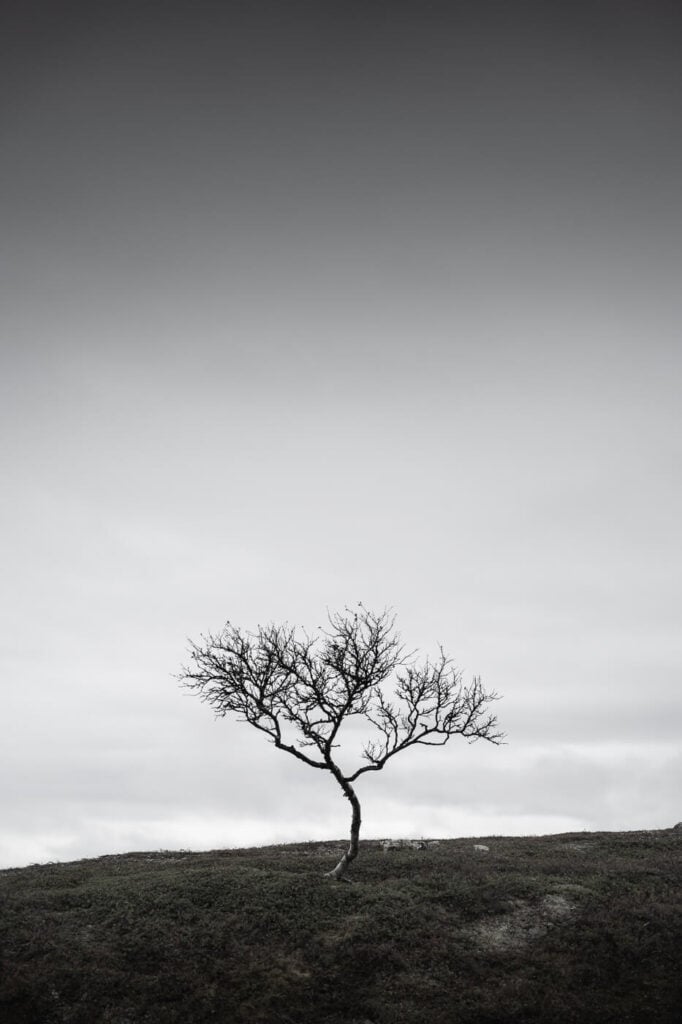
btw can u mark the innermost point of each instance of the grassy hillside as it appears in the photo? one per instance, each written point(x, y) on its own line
point(583, 928)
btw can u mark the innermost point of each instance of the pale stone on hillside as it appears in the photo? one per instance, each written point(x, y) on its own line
point(402, 844)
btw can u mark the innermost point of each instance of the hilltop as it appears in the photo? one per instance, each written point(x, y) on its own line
point(580, 928)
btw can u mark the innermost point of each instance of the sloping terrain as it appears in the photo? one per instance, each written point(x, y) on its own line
point(569, 928)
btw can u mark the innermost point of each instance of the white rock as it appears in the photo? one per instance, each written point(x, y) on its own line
point(481, 849)
point(402, 844)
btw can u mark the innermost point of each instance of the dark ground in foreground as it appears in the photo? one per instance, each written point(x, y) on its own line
point(580, 928)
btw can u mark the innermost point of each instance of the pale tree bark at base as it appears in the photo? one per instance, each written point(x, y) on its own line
point(339, 872)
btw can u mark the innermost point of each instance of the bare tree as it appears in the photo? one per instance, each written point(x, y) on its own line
point(300, 690)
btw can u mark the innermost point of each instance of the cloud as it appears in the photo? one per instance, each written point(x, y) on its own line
point(282, 333)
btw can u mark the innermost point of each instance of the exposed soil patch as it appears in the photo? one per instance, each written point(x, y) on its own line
point(523, 923)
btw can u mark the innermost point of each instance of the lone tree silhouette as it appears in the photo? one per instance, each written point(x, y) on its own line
point(300, 690)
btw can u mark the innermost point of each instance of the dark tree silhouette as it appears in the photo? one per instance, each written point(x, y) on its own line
point(299, 690)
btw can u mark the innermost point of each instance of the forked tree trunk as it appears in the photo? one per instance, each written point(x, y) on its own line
point(351, 853)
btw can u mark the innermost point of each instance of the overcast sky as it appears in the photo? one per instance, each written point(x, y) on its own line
point(305, 304)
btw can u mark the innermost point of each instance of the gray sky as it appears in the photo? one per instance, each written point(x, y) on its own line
point(305, 304)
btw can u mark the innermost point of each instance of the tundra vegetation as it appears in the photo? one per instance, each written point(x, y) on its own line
point(566, 929)
point(301, 690)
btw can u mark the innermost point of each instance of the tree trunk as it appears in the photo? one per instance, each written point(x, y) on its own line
point(351, 853)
